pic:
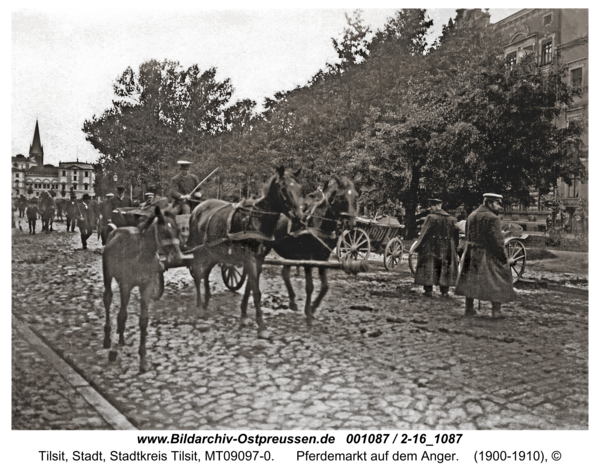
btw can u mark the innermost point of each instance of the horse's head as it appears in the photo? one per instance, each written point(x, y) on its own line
point(162, 235)
point(341, 197)
point(283, 193)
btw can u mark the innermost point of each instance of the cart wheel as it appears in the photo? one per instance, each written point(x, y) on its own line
point(354, 244)
point(412, 259)
point(517, 256)
point(393, 253)
point(233, 276)
point(160, 288)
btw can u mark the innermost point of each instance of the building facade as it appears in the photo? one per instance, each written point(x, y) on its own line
point(30, 173)
point(556, 36)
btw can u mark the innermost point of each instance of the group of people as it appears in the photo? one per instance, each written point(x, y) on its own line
point(484, 269)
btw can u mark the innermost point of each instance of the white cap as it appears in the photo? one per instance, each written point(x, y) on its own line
point(148, 194)
point(110, 194)
point(493, 196)
point(184, 163)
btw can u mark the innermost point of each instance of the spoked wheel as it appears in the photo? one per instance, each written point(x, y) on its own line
point(412, 259)
point(354, 244)
point(233, 276)
point(517, 256)
point(393, 253)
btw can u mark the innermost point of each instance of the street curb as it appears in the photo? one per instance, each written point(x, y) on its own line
point(106, 410)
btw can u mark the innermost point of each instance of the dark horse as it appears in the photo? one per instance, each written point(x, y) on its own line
point(22, 205)
point(131, 257)
point(327, 213)
point(221, 232)
point(47, 210)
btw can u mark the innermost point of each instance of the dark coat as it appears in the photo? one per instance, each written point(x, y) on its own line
point(181, 185)
point(85, 217)
point(32, 212)
point(484, 273)
point(437, 262)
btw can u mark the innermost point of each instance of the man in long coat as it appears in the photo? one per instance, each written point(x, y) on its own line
point(436, 249)
point(485, 272)
point(182, 186)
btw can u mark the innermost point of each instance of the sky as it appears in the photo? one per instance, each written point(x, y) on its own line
point(65, 60)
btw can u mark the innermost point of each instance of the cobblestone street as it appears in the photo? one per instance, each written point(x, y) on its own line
point(380, 357)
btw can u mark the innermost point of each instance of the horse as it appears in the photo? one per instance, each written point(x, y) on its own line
point(327, 212)
point(47, 210)
point(22, 205)
point(221, 232)
point(131, 257)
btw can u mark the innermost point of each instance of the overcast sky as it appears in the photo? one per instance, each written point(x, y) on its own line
point(64, 61)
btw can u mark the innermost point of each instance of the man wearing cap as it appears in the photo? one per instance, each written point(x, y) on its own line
point(85, 219)
point(182, 186)
point(436, 249)
point(485, 273)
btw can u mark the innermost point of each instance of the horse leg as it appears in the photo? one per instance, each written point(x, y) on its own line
point(309, 290)
point(285, 273)
point(207, 269)
point(254, 271)
point(107, 298)
point(245, 320)
point(323, 291)
point(125, 290)
point(145, 295)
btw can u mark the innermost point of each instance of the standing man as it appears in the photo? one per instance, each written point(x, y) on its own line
point(85, 219)
point(105, 217)
point(182, 185)
point(436, 248)
point(32, 214)
point(119, 201)
point(485, 272)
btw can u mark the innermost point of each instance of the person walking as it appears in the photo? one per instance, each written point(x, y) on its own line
point(32, 214)
point(485, 272)
point(182, 186)
point(436, 249)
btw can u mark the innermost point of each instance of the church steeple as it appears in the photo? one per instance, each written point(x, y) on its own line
point(36, 150)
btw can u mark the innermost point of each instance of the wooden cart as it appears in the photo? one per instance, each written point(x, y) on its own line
point(380, 236)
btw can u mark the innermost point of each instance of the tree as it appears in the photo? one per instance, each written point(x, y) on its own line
point(161, 113)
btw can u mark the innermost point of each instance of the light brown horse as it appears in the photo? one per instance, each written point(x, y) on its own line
point(221, 232)
point(131, 256)
point(327, 212)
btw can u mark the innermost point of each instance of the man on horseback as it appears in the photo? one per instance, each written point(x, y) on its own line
point(182, 186)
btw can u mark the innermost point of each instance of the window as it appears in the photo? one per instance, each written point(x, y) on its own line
point(546, 52)
point(17, 176)
point(85, 187)
point(511, 58)
point(577, 77)
point(64, 173)
point(86, 174)
point(75, 177)
point(547, 19)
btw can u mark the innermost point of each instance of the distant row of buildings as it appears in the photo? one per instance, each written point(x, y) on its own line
point(30, 176)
